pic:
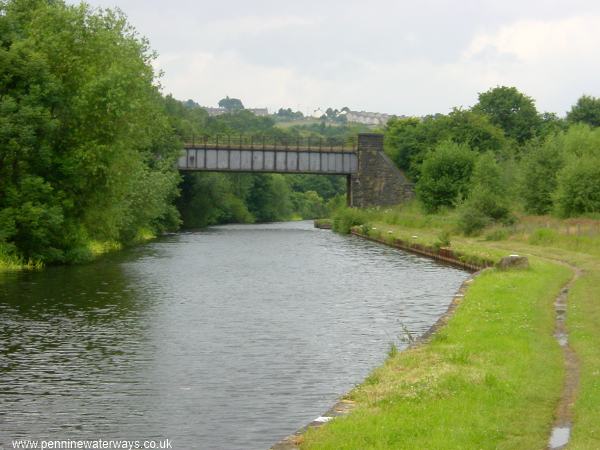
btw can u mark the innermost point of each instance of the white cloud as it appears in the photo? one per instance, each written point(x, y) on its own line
point(534, 41)
point(397, 57)
point(207, 77)
point(554, 61)
point(252, 25)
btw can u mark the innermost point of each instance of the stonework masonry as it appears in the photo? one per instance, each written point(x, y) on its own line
point(378, 181)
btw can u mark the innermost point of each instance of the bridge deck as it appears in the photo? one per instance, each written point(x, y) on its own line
point(329, 160)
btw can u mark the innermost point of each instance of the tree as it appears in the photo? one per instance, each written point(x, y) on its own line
point(445, 176)
point(579, 187)
point(473, 129)
point(551, 124)
point(231, 104)
point(211, 198)
point(540, 169)
point(269, 199)
point(408, 140)
point(288, 114)
point(511, 110)
point(86, 150)
point(309, 204)
point(489, 200)
point(586, 110)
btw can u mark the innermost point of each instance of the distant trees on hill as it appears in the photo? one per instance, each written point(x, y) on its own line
point(231, 104)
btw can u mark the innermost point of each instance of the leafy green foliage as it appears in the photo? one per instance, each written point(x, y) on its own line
point(574, 159)
point(409, 140)
point(346, 218)
point(288, 114)
point(511, 110)
point(231, 104)
point(269, 199)
point(210, 198)
point(445, 176)
point(586, 110)
point(579, 187)
point(86, 151)
point(489, 200)
point(540, 167)
point(309, 205)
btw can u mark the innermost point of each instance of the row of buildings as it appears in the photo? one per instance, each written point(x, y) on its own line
point(363, 117)
point(218, 111)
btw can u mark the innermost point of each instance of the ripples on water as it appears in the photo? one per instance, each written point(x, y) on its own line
point(229, 338)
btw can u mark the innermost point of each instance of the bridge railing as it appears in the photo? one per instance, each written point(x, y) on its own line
point(271, 142)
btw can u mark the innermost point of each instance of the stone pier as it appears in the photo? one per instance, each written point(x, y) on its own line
point(377, 182)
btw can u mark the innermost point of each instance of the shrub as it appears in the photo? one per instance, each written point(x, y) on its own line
point(579, 187)
point(445, 176)
point(489, 200)
point(539, 176)
point(365, 228)
point(443, 240)
point(471, 220)
point(346, 218)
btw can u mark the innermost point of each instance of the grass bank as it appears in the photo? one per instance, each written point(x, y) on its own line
point(493, 376)
point(90, 251)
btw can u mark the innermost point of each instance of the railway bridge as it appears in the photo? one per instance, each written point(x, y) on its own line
point(372, 178)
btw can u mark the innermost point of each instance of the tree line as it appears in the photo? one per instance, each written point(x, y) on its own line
point(88, 147)
point(88, 144)
point(501, 158)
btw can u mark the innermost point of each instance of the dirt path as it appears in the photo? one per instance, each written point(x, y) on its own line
point(563, 422)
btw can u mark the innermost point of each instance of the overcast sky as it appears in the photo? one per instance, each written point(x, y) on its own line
point(400, 57)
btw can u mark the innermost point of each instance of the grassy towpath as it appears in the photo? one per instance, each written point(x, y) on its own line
point(493, 377)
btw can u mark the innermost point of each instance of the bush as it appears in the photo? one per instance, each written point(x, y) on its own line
point(579, 187)
point(489, 200)
point(445, 176)
point(471, 220)
point(346, 218)
point(539, 176)
point(443, 240)
point(365, 229)
point(309, 204)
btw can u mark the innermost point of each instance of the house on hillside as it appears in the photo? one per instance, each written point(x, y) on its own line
point(261, 112)
point(368, 118)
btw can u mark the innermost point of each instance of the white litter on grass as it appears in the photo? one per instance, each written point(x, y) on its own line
point(322, 419)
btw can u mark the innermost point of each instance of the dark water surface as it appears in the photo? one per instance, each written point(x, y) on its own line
point(229, 338)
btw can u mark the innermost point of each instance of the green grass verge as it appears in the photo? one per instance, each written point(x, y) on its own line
point(583, 322)
point(490, 379)
point(493, 376)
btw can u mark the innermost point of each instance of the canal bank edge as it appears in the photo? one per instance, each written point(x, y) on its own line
point(344, 406)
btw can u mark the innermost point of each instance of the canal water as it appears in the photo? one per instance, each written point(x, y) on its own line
point(229, 338)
